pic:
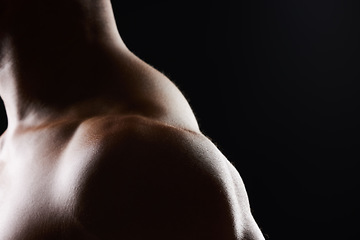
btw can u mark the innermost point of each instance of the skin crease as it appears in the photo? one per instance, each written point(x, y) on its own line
point(99, 144)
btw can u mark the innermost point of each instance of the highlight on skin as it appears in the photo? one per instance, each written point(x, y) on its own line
point(100, 145)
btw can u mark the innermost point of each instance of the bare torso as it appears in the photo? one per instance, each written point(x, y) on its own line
point(116, 178)
point(137, 171)
point(100, 145)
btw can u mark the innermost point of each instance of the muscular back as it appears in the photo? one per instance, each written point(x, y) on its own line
point(100, 145)
point(116, 177)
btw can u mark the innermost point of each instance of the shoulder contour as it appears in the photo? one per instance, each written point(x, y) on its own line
point(164, 180)
point(151, 142)
point(119, 132)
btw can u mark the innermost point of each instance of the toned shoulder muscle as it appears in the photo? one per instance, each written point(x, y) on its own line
point(152, 181)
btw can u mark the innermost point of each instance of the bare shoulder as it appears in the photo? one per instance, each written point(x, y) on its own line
point(153, 180)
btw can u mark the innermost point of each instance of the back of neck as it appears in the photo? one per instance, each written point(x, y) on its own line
point(50, 52)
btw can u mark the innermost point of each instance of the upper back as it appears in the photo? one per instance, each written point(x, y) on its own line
point(128, 177)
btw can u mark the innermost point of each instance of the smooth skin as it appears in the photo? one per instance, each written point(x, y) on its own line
point(99, 144)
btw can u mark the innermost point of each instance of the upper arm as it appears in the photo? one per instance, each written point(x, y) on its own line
point(167, 184)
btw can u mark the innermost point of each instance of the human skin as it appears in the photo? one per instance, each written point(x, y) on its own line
point(99, 144)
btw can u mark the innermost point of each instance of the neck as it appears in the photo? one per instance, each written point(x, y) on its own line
point(56, 55)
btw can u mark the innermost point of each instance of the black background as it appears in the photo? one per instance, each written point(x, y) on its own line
point(275, 85)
